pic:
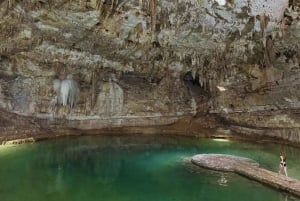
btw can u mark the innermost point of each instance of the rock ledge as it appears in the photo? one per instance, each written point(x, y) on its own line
point(248, 168)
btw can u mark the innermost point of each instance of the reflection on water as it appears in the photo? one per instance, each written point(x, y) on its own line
point(222, 181)
point(135, 169)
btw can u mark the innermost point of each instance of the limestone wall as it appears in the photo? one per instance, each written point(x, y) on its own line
point(142, 58)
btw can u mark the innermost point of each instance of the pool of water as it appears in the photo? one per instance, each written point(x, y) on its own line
point(133, 168)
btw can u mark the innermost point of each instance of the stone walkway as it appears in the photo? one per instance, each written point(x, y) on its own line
point(248, 168)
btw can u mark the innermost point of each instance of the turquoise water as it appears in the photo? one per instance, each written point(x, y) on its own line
point(132, 168)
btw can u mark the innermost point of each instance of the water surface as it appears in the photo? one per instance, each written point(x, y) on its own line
point(133, 168)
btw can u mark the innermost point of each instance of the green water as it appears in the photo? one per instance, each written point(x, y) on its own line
point(132, 168)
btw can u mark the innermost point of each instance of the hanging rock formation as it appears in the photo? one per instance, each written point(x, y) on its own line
point(153, 63)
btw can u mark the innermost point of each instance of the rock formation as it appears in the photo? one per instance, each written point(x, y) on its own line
point(248, 168)
point(154, 63)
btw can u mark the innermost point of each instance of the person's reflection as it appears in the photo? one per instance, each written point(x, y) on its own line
point(222, 181)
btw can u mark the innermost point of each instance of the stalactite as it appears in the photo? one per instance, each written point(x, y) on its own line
point(263, 26)
point(153, 7)
point(113, 7)
point(67, 91)
point(194, 73)
point(93, 98)
point(10, 3)
point(56, 88)
point(98, 4)
point(139, 31)
point(64, 91)
point(269, 56)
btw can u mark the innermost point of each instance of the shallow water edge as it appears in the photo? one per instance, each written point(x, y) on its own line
point(206, 126)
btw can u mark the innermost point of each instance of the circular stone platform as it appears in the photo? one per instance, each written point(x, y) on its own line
point(248, 168)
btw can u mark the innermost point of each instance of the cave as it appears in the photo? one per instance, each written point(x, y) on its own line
point(162, 78)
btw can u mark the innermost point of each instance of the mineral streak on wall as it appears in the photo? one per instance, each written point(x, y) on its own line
point(131, 59)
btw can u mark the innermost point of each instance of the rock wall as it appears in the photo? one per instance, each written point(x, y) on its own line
point(117, 60)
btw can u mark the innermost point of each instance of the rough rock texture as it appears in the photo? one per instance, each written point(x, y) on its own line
point(249, 168)
point(223, 162)
point(120, 63)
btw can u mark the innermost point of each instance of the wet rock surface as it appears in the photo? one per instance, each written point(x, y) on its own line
point(222, 162)
point(248, 168)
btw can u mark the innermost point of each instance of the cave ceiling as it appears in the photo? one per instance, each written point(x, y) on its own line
point(102, 59)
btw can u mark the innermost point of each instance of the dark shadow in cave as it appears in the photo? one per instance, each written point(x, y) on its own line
point(194, 85)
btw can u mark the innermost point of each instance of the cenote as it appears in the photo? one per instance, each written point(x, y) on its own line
point(134, 168)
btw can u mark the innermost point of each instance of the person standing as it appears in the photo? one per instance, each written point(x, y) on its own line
point(282, 165)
